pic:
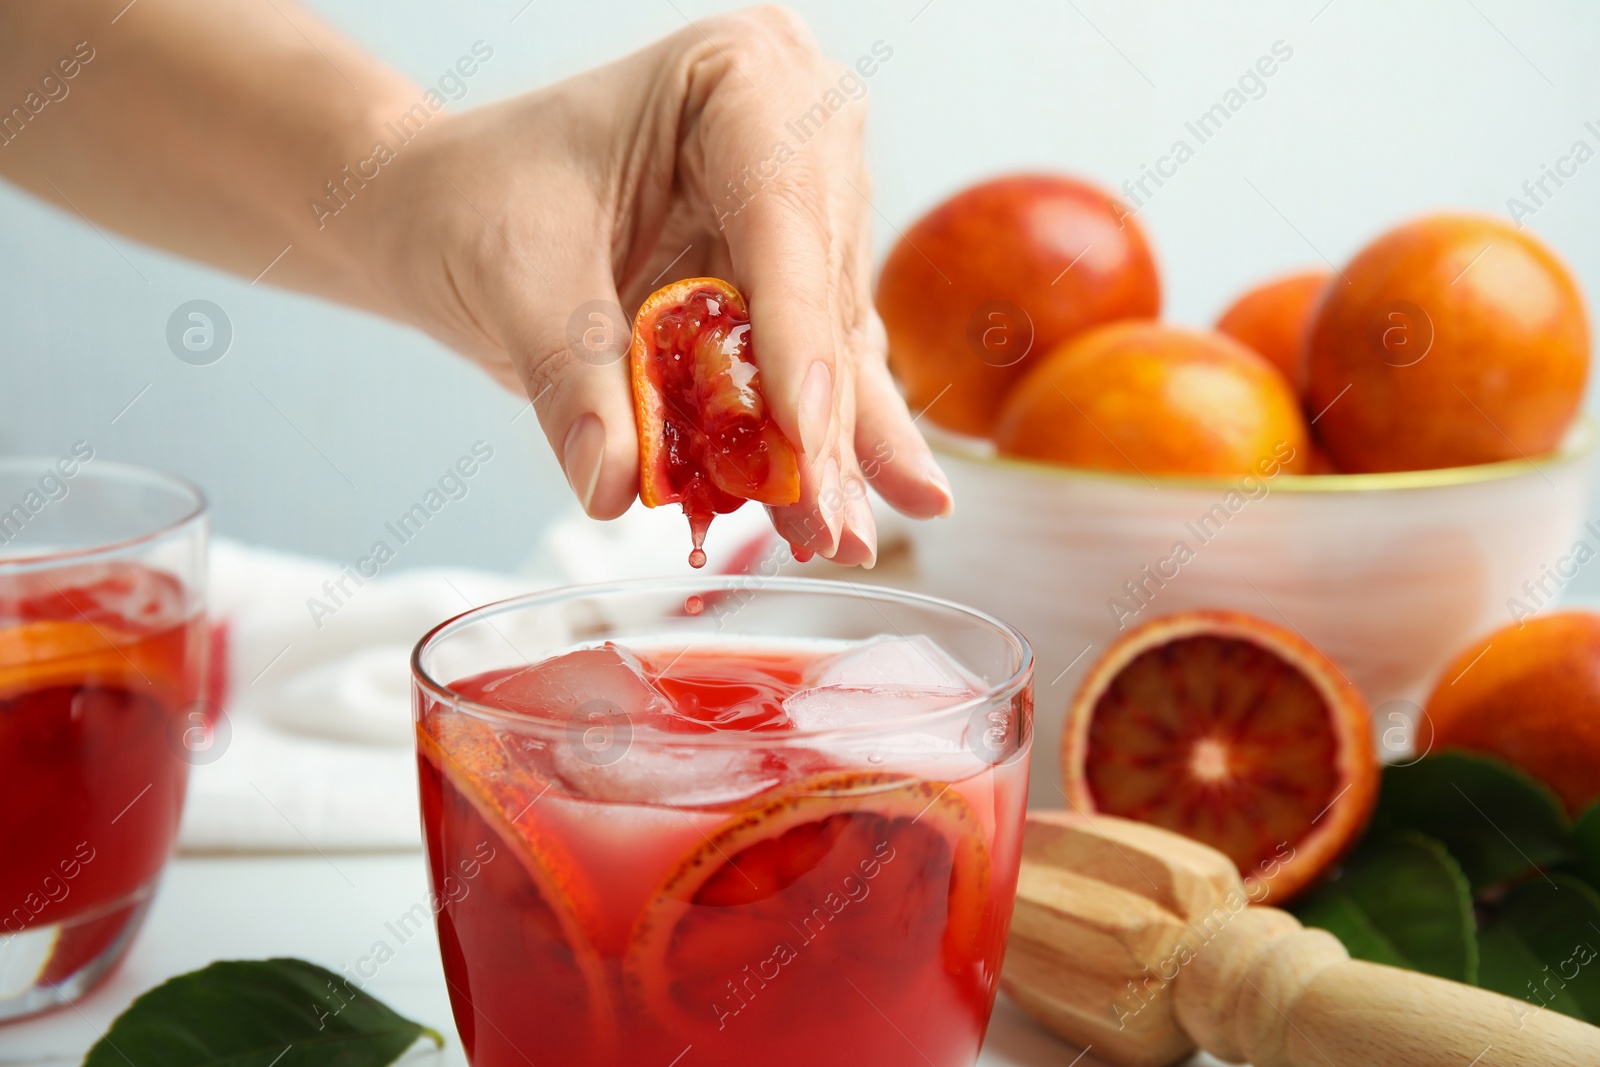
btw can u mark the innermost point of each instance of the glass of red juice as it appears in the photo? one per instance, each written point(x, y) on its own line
point(103, 648)
point(723, 821)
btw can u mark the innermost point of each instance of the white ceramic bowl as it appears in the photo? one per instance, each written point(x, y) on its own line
point(1389, 574)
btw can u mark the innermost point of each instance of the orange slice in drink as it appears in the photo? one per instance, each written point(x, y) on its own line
point(487, 804)
point(706, 437)
point(36, 655)
point(96, 624)
point(1232, 731)
point(848, 874)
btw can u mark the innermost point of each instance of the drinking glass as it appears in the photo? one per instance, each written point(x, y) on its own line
point(103, 648)
point(636, 858)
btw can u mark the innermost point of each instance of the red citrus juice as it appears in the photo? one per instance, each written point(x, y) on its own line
point(96, 664)
point(675, 880)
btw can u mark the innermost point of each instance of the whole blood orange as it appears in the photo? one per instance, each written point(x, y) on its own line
point(1529, 694)
point(1143, 397)
point(987, 282)
point(1274, 319)
point(706, 438)
point(1232, 731)
point(1317, 461)
point(1449, 341)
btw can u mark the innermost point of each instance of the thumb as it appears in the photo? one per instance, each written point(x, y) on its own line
point(573, 360)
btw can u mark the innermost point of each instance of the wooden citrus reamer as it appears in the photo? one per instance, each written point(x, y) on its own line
point(1143, 944)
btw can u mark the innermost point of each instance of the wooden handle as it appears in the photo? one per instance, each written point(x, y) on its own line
point(1272, 993)
point(1097, 929)
point(1143, 945)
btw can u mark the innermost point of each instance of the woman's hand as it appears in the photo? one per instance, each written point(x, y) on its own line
point(512, 231)
point(220, 129)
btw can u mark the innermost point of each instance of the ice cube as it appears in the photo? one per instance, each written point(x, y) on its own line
point(608, 681)
point(830, 707)
point(936, 751)
point(613, 749)
point(879, 680)
point(679, 774)
point(939, 751)
point(915, 661)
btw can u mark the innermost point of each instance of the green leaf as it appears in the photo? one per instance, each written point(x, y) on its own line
point(257, 1013)
point(1586, 843)
point(1497, 822)
point(1402, 900)
point(1543, 946)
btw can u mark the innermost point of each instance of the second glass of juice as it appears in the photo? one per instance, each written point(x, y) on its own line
point(103, 648)
point(723, 822)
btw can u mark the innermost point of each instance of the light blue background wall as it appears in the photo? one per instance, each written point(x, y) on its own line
point(1384, 110)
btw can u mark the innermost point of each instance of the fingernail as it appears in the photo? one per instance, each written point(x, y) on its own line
point(816, 407)
point(831, 500)
point(935, 478)
point(581, 454)
point(862, 523)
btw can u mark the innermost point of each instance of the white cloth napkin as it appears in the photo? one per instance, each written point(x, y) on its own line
point(313, 751)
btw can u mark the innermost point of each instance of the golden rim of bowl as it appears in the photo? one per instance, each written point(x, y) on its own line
point(1578, 443)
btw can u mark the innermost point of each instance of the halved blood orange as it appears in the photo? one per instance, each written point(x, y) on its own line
point(706, 438)
point(1232, 731)
point(485, 801)
point(846, 874)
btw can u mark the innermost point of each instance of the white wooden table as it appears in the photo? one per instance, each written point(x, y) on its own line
point(332, 910)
